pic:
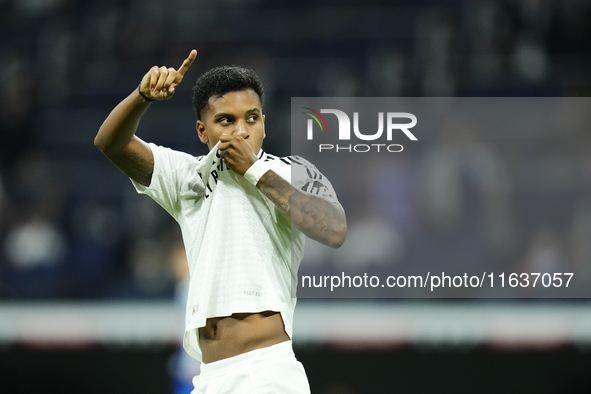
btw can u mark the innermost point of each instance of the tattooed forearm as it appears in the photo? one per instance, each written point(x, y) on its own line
point(314, 216)
point(277, 190)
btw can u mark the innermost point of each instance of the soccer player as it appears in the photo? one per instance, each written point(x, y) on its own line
point(243, 220)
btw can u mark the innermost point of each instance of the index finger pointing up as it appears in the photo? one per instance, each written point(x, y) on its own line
point(187, 63)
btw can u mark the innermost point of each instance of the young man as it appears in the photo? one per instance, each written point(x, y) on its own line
point(243, 225)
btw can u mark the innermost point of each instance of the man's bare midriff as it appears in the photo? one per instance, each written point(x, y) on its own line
point(229, 336)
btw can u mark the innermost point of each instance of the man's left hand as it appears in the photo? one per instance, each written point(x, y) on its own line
point(237, 153)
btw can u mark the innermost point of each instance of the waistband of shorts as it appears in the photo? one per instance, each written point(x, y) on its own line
point(282, 350)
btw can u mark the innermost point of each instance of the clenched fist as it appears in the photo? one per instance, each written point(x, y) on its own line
point(236, 152)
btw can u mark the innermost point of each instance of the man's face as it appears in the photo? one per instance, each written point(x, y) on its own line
point(238, 113)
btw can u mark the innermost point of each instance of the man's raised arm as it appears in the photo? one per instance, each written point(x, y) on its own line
point(116, 137)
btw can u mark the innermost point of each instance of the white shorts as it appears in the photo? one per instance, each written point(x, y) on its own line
point(270, 370)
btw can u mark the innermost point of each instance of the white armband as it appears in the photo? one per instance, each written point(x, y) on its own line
point(256, 171)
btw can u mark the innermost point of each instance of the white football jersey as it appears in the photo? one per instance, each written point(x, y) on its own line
point(242, 251)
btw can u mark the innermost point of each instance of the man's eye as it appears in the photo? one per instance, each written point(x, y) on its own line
point(252, 118)
point(224, 120)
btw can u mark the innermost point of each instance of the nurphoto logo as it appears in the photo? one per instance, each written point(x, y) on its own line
point(344, 132)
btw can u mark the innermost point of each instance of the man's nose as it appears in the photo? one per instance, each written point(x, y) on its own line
point(240, 129)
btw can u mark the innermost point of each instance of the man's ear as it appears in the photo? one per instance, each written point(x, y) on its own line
point(201, 132)
point(264, 134)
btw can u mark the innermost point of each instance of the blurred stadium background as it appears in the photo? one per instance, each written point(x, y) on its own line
point(89, 271)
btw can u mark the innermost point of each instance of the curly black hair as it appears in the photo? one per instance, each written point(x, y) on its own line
point(221, 80)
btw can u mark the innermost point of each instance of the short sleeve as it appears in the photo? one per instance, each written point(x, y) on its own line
point(172, 174)
point(306, 177)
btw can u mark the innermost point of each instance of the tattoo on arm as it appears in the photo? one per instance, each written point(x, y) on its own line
point(317, 218)
point(135, 166)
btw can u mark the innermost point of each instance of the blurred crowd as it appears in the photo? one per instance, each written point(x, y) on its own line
point(495, 185)
point(72, 227)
